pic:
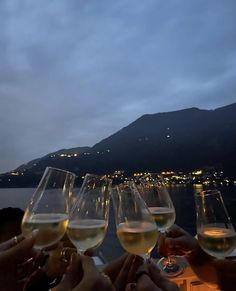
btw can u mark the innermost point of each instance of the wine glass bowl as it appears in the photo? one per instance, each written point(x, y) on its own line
point(47, 213)
point(136, 229)
point(157, 198)
point(88, 220)
point(216, 234)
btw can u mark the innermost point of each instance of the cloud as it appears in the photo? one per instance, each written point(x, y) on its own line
point(74, 72)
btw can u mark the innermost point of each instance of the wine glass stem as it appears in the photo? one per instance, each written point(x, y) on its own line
point(170, 261)
point(79, 252)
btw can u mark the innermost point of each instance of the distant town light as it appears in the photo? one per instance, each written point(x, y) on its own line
point(15, 173)
point(199, 172)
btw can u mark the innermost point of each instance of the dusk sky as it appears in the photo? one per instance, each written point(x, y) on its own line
point(74, 72)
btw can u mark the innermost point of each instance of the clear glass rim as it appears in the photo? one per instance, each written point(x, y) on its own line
point(61, 170)
point(208, 193)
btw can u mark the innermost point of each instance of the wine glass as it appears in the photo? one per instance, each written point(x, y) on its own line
point(136, 229)
point(216, 234)
point(88, 220)
point(47, 213)
point(157, 198)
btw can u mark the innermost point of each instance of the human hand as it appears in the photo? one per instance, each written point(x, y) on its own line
point(11, 242)
point(178, 242)
point(82, 274)
point(58, 261)
point(149, 278)
point(122, 271)
point(10, 259)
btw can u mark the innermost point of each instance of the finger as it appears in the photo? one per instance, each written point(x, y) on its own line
point(144, 269)
point(11, 242)
point(69, 252)
point(92, 279)
point(137, 262)
point(65, 254)
point(24, 270)
point(21, 252)
point(175, 231)
point(114, 267)
point(121, 279)
point(161, 281)
point(90, 272)
point(144, 283)
point(73, 275)
point(74, 271)
point(89, 252)
point(75, 262)
point(40, 258)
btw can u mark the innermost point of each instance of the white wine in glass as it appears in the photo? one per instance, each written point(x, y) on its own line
point(216, 234)
point(138, 238)
point(136, 229)
point(89, 215)
point(157, 198)
point(163, 216)
point(47, 213)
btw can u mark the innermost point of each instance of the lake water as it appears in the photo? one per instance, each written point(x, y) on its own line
point(182, 196)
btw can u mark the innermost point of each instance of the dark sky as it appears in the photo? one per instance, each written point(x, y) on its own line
point(74, 72)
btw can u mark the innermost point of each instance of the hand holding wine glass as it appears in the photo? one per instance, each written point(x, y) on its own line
point(216, 234)
point(136, 229)
point(47, 213)
point(157, 198)
point(89, 215)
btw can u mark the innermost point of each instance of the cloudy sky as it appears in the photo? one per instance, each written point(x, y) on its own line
point(74, 72)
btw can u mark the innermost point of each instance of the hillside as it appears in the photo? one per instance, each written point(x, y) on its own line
point(180, 140)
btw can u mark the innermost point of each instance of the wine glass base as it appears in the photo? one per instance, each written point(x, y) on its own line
point(171, 270)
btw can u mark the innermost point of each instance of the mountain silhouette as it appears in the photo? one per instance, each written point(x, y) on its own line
point(181, 140)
